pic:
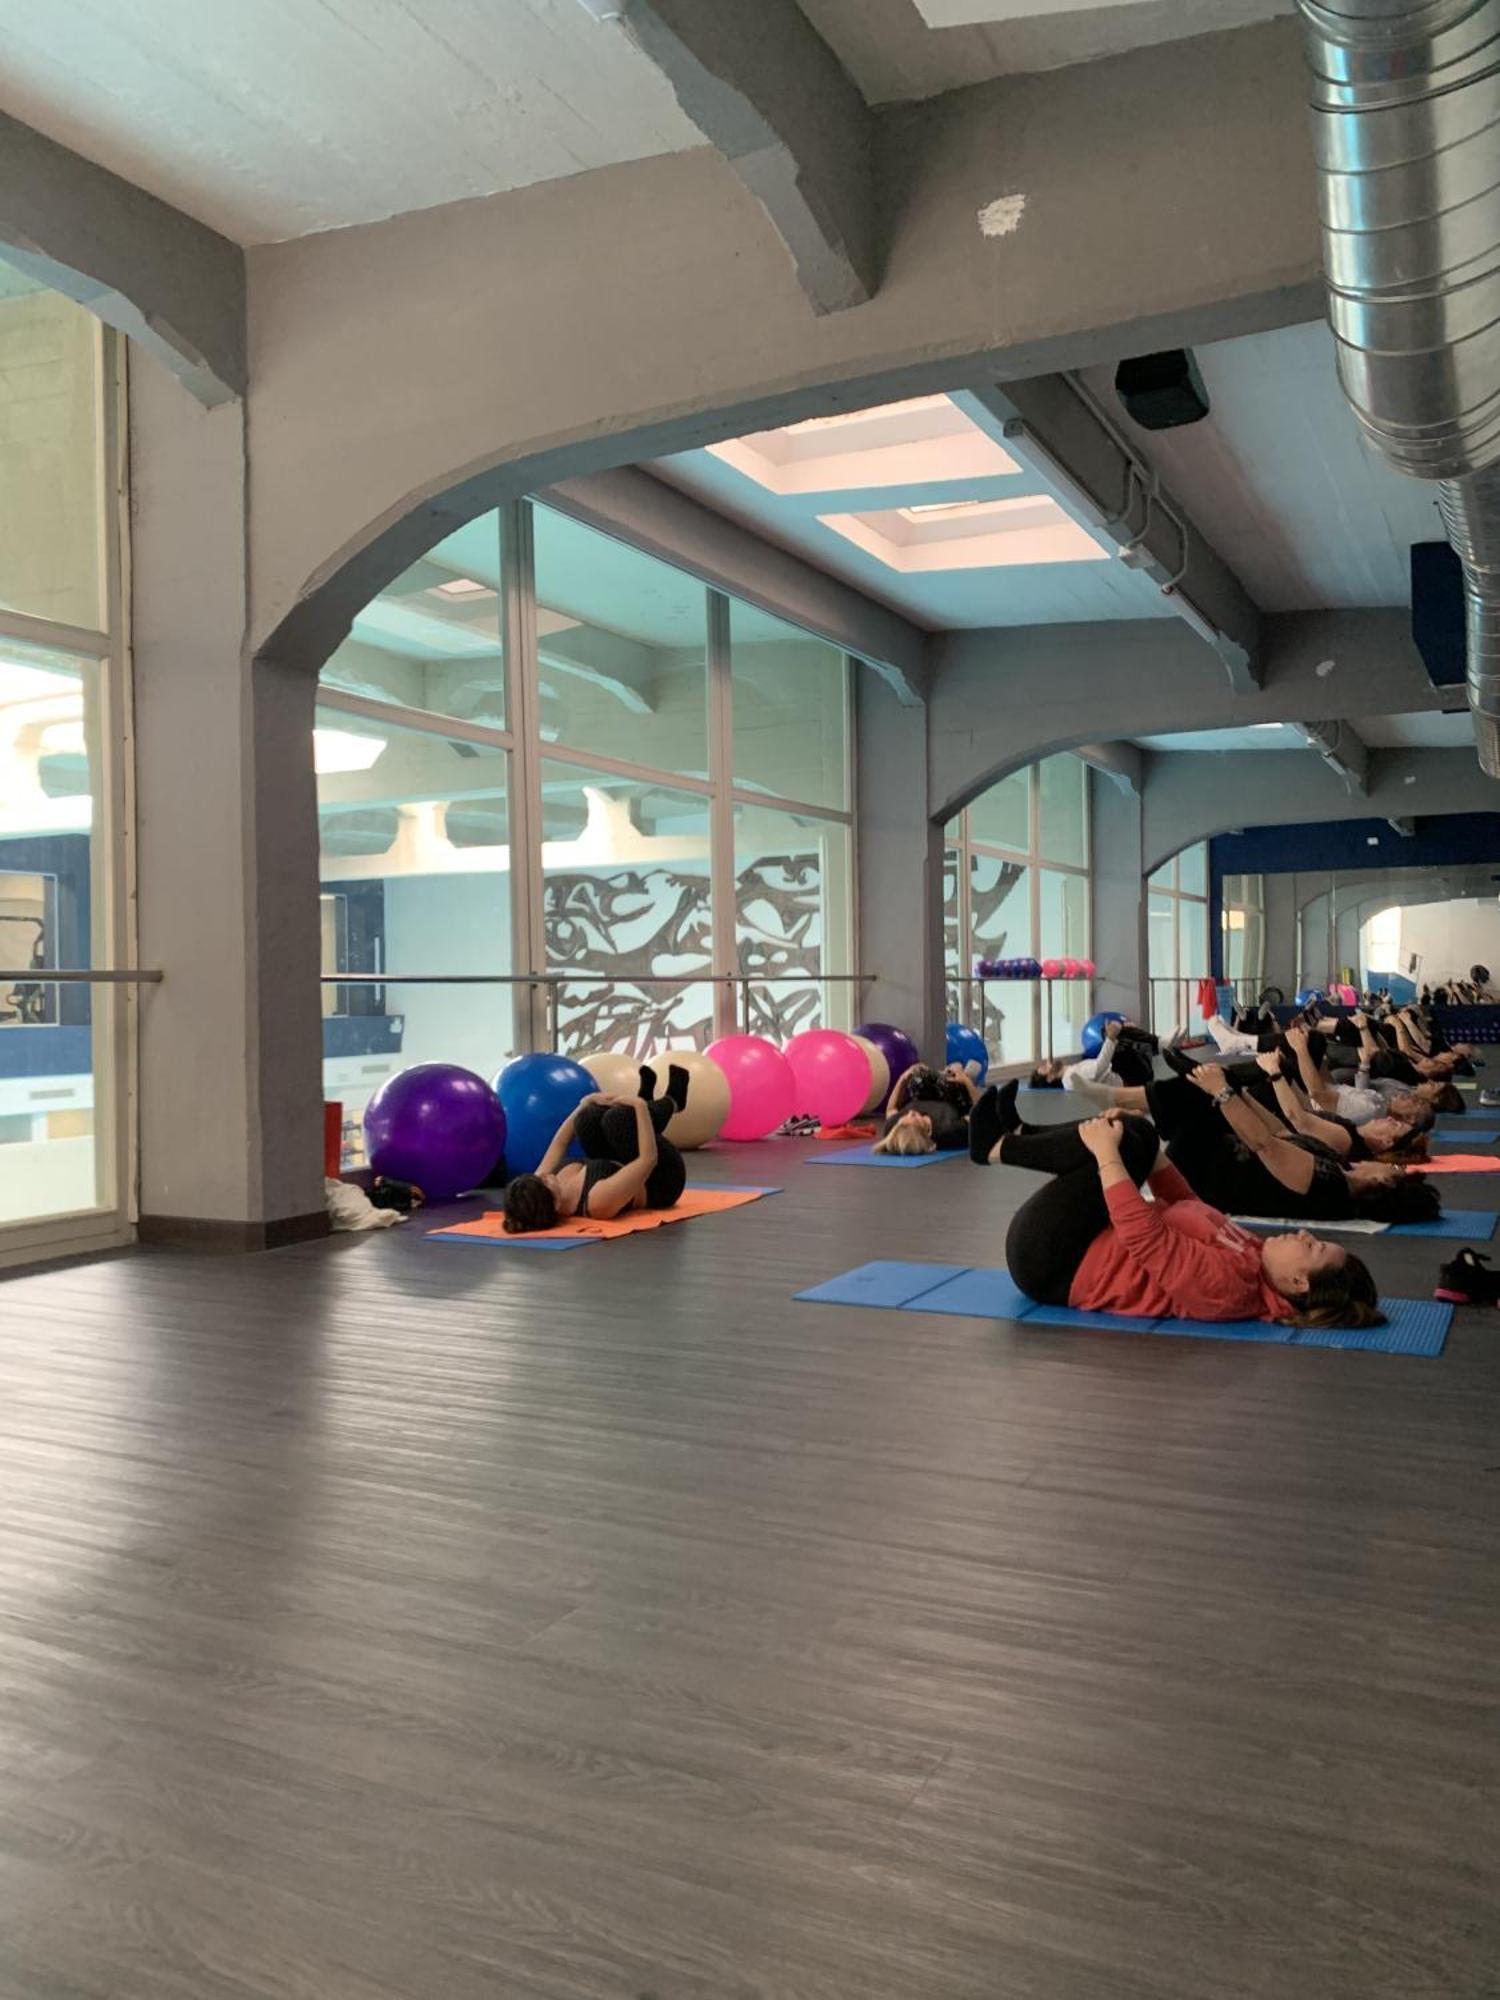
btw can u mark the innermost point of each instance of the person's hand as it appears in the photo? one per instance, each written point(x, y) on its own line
point(598, 1097)
point(1112, 1030)
point(1270, 1061)
point(1102, 1136)
point(957, 1072)
point(1297, 1039)
point(1209, 1078)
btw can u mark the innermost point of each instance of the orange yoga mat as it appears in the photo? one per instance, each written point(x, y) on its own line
point(858, 1130)
point(1459, 1163)
point(692, 1201)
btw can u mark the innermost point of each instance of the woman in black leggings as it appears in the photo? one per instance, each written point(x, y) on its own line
point(627, 1162)
point(1088, 1239)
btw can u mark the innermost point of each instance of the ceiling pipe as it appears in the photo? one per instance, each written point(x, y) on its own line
point(1405, 98)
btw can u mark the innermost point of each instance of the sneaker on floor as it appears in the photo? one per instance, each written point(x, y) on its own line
point(1490, 1098)
point(1467, 1280)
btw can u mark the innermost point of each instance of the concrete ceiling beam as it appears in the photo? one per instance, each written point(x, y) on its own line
point(765, 89)
point(1342, 749)
point(1053, 425)
point(175, 287)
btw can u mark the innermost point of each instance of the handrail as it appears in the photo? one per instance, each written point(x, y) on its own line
point(578, 978)
point(30, 976)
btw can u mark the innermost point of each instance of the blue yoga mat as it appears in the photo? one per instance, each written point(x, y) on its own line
point(882, 1284)
point(866, 1156)
point(1414, 1326)
point(517, 1242)
point(1476, 1225)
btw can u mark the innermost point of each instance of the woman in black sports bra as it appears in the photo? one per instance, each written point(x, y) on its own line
point(627, 1162)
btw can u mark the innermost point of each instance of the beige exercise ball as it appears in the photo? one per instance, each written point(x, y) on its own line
point(708, 1097)
point(618, 1074)
point(880, 1075)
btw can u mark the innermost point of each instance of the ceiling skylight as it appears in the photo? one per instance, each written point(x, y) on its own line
point(978, 534)
point(915, 443)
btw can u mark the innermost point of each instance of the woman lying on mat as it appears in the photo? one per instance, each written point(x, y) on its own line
point(1125, 1057)
point(626, 1164)
point(927, 1112)
point(1088, 1239)
point(1238, 1155)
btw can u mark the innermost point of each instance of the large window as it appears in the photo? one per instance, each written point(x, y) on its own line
point(64, 1166)
point(1017, 886)
point(638, 813)
point(1177, 935)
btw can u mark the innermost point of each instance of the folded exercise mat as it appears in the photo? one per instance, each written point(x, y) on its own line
point(1473, 1135)
point(1477, 1225)
point(883, 1283)
point(1458, 1163)
point(573, 1234)
point(1413, 1326)
point(860, 1129)
point(866, 1156)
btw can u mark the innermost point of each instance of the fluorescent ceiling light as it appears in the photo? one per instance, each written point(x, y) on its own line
point(983, 534)
point(340, 750)
point(1267, 725)
point(463, 586)
point(915, 443)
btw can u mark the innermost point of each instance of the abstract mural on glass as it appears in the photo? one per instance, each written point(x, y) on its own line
point(638, 923)
point(631, 924)
point(780, 924)
point(1000, 919)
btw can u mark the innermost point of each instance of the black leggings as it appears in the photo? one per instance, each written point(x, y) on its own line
point(607, 1132)
point(1050, 1234)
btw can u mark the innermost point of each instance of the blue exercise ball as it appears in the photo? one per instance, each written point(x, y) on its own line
point(536, 1093)
point(1308, 995)
point(437, 1126)
point(1093, 1031)
point(966, 1046)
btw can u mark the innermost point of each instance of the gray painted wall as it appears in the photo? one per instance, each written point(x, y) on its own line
point(1119, 926)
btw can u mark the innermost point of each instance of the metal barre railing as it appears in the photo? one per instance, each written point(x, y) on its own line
point(31, 977)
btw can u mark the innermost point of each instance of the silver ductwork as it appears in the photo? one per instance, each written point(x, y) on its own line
point(1406, 126)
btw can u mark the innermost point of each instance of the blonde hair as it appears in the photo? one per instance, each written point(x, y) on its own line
point(905, 1137)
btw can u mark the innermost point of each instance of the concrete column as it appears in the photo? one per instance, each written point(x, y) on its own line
point(230, 1044)
point(1119, 929)
point(900, 867)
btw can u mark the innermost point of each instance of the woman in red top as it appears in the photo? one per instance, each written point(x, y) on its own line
point(1090, 1239)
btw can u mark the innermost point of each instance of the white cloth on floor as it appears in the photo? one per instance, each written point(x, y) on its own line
point(349, 1207)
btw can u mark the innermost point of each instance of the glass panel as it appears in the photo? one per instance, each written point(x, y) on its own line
point(955, 971)
point(622, 647)
point(1161, 938)
point(1165, 876)
point(1064, 809)
point(1192, 919)
point(415, 874)
point(1000, 901)
point(1192, 870)
point(54, 1040)
point(432, 639)
point(792, 900)
point(626, 896)
point(50, 485)
point(1001, 817)
point(791, 710)
point(1065, 934)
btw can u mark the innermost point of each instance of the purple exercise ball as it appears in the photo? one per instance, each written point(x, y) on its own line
point(436, 1125)
point(899, 1050)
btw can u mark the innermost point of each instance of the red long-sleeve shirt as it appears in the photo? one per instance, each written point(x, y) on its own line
point(1173, 1258)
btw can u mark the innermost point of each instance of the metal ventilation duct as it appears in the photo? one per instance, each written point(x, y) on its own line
point(1406, 126)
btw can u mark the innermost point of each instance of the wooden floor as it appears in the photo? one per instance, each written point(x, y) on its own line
point(387, 1621)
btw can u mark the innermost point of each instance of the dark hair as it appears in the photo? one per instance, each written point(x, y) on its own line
point(529, 1204)
point(1449, 1098)
point(1411, 1145)
point(1413, 1198)
point(1344, 1296)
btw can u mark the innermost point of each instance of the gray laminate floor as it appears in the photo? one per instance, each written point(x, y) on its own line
point(381, 1621)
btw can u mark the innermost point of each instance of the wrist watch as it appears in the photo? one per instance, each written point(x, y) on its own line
point(1224, 1095)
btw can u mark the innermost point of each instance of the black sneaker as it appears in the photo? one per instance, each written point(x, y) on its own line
point(1467, 1280)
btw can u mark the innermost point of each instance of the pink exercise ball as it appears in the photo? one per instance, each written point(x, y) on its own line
point(832, 1072)
point(1089, 968)
point(761, 1085)
point(1052, 968)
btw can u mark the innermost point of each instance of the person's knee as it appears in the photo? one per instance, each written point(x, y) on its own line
point(1139, 1143)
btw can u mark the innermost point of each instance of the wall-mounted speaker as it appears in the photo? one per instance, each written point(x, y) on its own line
point(1161, 392)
